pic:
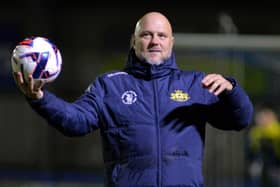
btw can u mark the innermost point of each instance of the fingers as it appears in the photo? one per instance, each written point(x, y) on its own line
point(30, 83)
point(216, 83)
point(30, 87)
point(18, 78)
point(39, 85)
point(34, 88)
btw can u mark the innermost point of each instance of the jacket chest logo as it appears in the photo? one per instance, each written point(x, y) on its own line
point(180, 96)
point(129, 97)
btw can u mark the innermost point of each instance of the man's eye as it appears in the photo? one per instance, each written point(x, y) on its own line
point(162, 36)
point(146, 35)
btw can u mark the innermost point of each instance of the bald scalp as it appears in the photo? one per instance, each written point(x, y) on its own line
point(151, 17)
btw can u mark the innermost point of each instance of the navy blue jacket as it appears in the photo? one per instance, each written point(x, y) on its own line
point(152, 121)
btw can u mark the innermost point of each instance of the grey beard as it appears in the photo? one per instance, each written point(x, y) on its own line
point(155, 63)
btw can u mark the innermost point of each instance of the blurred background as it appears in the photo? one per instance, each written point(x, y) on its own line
point(234, 39)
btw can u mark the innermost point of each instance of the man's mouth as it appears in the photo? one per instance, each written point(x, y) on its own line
point(154, 50)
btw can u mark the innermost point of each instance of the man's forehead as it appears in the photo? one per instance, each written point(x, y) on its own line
point(153, 24)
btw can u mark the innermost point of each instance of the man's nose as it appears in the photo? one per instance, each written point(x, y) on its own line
point(155, 39)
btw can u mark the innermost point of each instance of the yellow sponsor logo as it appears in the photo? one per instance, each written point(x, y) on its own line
point(180, 96)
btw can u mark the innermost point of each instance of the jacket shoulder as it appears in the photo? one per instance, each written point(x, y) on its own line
point(192, 74)
point(105, 80)
point(112, 74)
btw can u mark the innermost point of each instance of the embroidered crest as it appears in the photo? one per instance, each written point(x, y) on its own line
point(179, 95)
point(129, 97)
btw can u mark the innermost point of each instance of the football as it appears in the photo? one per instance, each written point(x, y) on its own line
point(37, 56)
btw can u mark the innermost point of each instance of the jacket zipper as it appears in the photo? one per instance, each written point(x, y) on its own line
point(157, 133)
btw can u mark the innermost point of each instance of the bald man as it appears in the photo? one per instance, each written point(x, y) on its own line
point(151, 116)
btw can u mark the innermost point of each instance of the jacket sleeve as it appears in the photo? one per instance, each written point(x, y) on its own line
point(233, 111)
point(72, 119)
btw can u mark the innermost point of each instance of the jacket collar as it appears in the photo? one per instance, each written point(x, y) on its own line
point(148, 71)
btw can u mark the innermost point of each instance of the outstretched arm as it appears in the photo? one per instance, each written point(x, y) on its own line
point(72, 119)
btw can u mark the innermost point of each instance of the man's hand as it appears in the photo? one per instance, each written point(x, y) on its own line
point(216, 83)
point(29, 88)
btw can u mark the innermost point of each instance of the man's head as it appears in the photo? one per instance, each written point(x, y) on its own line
point(153, 38)
point(265, 116)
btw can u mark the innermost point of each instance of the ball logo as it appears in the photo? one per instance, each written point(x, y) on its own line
point(42, 60)
point(129, 97)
